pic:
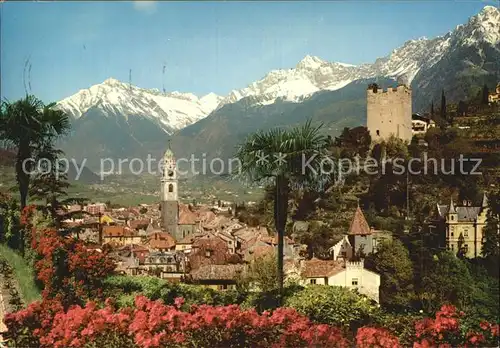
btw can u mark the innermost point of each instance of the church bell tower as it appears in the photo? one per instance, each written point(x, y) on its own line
point(169, 195)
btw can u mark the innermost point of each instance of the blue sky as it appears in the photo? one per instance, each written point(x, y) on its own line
point(206, 46)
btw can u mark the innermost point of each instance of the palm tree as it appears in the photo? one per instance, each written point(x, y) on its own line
point(31, 127)
point(284, 157)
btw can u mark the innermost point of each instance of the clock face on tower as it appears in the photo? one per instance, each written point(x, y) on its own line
point(170, 173)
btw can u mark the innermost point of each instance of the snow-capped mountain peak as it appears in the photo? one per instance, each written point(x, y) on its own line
point(172, 111)
point(312, 74)
point(485, 26)
point(310, 62)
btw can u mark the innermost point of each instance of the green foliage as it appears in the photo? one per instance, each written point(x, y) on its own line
point(319, 238)
point(401, 325)
point(333, 305)
point(124, 288)
point(447, 280)
point(353, 142)
point(393, 263)
point(262, 273)
point(483, 304)
point(491, 247)
point(23, 273)
point(9, 221)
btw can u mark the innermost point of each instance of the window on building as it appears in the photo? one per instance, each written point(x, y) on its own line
point(452, 230)
point(378, 132)
point(354, 281)
point(452, 247)
point(452, 218)
point(313, 281)
point(222, 287)
point(344, 254)
point(466, 232)
point(208, 253)
point(170, 188)
point(466, 248)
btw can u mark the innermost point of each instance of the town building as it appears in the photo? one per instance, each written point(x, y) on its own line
point(360, 234)
point(388, 113)
point(167, 265)
point(219, 277)
point(176, 219)
point(351, 275)
point(495, 96)
point(421, 124)
point(95, 208)
point(461, 226)
point(120, 235)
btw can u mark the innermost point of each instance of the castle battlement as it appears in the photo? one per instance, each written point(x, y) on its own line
point(381, 91)
point(355, 264)
point(388, 112)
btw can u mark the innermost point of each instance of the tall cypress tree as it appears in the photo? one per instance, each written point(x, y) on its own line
point(491, 245)
point(432, 110)
point(486, 93)
point(443, 105)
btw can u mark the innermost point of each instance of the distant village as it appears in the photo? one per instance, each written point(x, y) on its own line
point(208, 245)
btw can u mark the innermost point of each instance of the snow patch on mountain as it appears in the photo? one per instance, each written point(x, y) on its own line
point(172, 111)
point(312, 74)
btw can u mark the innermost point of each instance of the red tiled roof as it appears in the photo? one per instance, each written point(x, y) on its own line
point(274, 240)
point(212, 251)
point(118, 231)
point(316, 268)
point(186, 216)
point(359, 226)
point(113, 231)
point(139, 223)
point(161, 240)
point(205, 216)
point(134, 248)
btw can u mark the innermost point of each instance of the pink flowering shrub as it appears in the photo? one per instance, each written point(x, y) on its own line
point(444, 331)
point(370, 337)
point(153, 324)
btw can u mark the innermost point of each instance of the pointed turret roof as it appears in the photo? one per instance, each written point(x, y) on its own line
point(452, 207)
point(485, 201)
point(359, 226)
point(169, 153)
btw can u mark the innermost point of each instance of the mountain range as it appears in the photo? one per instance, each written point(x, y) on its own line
point(117, 120)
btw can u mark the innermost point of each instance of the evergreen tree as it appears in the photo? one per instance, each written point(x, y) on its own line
point(460, 246)
point(484, 97)
point(462, 108)
point(443, 105)
point(392, 261)
point(432, 110)
point(491, 246)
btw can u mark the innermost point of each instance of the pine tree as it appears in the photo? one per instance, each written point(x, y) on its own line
point(443, 105)
point(432, 110)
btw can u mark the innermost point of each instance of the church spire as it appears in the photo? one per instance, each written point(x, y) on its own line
point(452, 206)
point(485, 201)
point(169, 154)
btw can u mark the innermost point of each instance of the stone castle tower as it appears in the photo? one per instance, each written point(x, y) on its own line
point(169, 195)
point(389, 112)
